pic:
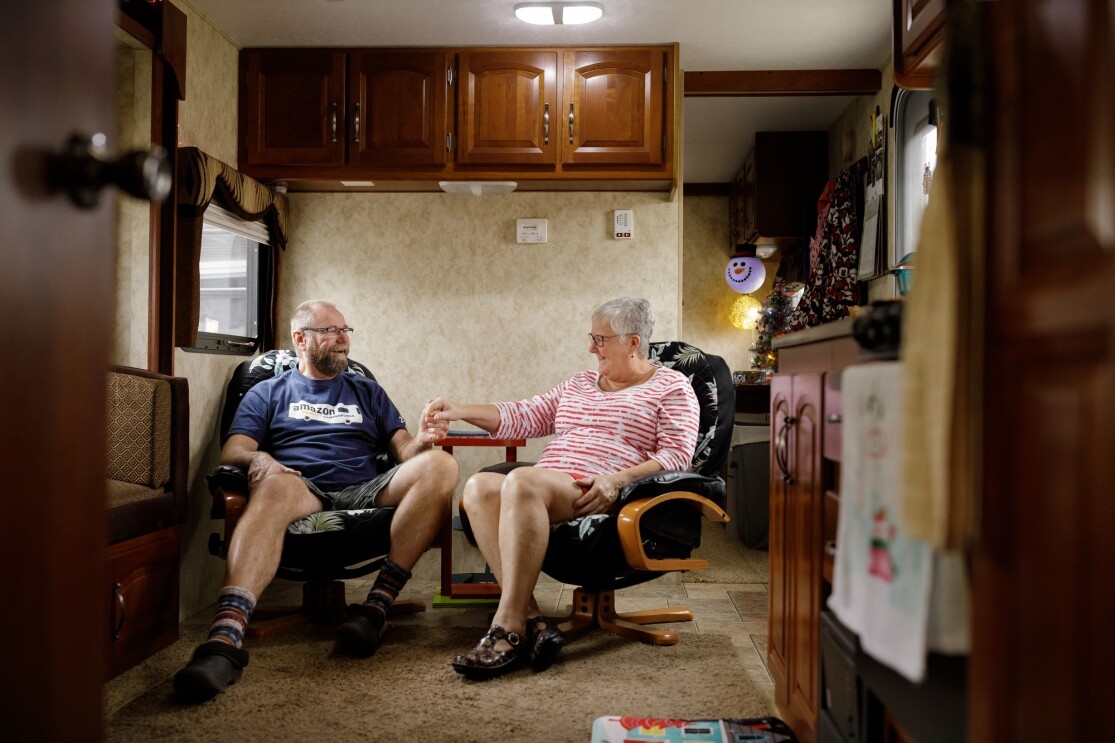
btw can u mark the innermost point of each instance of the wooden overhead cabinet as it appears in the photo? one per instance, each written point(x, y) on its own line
point(508, 107)
point(589, 117)
point(919, 28)
point(309, 107)
point(614, 107)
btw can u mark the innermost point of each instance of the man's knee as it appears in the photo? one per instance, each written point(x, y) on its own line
point(284, 496)
point(437, 469)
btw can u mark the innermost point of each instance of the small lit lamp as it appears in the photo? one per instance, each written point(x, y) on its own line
point(745, 312)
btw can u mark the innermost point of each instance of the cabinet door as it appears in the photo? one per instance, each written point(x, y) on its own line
point(919, 28)
point(397, 107)
point(781, 390)
point(507, 108)
point(613, 107)
point(293, 106)
point(743, 227)
point(806, 549)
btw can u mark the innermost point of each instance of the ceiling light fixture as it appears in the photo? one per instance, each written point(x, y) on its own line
point(549, 14)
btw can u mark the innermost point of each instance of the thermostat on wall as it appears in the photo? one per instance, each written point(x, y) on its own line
point(624, 224)
point(531, 230)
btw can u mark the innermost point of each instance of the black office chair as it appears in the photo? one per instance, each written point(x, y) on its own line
point(320, 550)
point(659, 523)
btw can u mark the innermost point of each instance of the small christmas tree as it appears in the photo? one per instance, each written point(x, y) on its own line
point(772, 321)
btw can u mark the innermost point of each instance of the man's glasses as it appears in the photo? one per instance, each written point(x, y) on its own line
point(598, 340)
point(331, 330)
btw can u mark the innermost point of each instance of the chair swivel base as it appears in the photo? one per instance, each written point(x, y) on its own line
point(322, 601)
point(597, 609)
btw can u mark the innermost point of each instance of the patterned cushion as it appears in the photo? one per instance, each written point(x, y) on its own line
point(138, 430)
point(712, 381)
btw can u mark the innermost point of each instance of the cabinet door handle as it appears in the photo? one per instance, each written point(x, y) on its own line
point(781, 447)
point(570, 123)
point(333, 115)
point(120, 610)
point(357, 123)
point(546, 124)
point(835, 418)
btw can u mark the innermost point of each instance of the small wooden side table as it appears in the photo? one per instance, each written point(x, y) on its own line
point(450, 589)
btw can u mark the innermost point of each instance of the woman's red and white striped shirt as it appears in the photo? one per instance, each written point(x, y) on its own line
point(597, 432)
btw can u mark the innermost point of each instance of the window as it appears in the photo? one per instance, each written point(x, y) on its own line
point(915, 134)
point(235, 256)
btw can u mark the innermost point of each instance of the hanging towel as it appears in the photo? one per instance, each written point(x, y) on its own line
point(899, 595)
point(941, 351)
point(881, 580)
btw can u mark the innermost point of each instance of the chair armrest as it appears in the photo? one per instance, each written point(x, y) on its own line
point(229, 486)
point(630, 537)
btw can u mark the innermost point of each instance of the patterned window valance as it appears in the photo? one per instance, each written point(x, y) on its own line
point(200, 178)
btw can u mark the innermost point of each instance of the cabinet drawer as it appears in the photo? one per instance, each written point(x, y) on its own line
point(143, 585)
point(833, 418)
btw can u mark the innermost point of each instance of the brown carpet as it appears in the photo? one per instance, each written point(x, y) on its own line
point(729, 561)
point(294, 689)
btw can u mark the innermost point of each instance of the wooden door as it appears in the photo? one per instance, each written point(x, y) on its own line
point(1044, 599)
point(805, 553)
point(781, 407)
point(397, 107)
point(56, 265)
point(613, 107)
point(293, 103)
point(507, 108)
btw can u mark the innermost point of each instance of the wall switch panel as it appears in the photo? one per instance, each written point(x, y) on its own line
point(624, 222)
point(531, 230)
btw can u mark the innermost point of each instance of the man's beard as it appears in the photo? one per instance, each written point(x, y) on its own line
point(325, 361)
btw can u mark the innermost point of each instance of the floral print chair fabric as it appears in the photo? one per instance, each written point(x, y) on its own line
point(333, 544)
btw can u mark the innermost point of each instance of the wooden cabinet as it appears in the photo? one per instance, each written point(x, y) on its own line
point(919, 28)
point(805, 441)
point(796, 546)
point(293, 107)
point(508, 107)
point(775, 192)
point(594, 115)
point(143, 586)
point(310, 107)
point(399, 105)
point(613, 107)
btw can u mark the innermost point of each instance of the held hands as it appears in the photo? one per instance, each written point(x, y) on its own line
point(600, 493)
point(434, 424)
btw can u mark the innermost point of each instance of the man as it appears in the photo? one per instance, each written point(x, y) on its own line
point(324, 460)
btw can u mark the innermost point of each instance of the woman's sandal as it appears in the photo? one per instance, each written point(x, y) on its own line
point(544, 640)
point(485, 662)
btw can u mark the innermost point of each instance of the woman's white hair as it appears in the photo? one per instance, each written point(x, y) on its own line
point(628, 316)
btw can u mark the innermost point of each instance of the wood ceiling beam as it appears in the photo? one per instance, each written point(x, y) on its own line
point(782, 82)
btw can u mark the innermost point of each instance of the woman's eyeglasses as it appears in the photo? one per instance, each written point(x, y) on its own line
point(598, 340)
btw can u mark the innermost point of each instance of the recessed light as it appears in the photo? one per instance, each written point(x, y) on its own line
point(351, 184)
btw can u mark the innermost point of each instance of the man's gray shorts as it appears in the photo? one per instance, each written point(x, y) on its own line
point(354, 497)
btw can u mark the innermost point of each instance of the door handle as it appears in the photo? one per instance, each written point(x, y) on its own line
point(85, 167)
point(546, 124)
point(781, 449)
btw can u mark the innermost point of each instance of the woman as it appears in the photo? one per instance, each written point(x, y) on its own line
point(626, 419)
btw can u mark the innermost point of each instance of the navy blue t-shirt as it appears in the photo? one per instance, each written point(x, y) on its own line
point(331, 430)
